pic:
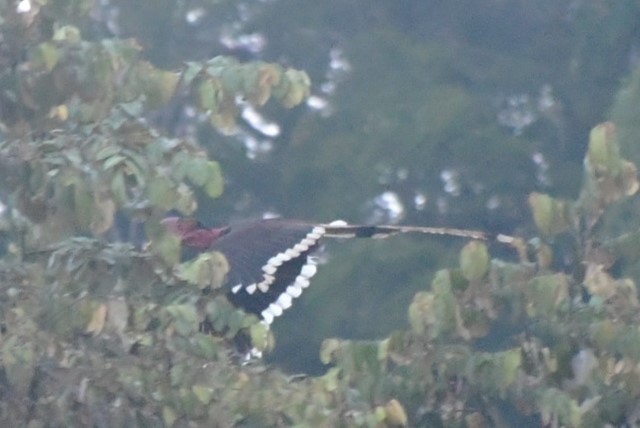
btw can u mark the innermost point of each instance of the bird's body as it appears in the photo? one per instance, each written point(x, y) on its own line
point(271, 261)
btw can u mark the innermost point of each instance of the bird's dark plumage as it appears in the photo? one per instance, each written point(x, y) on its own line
point(271, 261)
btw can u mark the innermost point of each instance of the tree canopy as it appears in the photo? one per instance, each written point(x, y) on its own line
point(491, 115)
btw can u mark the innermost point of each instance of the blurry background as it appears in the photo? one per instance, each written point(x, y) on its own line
point(423, 112)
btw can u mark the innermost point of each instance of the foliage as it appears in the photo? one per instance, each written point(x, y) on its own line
point(447, 106)
point(459, 109)
point(98, 332)
point(104, 333)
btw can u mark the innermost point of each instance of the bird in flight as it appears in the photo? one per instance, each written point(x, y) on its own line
point(271, 261)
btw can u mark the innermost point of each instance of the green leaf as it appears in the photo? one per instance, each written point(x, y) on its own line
point(299, 89)
point(113, 161)
point(231, 77)
point(208, 270)
point(206, 174)
point(46, 55)
point(420, 312)
point(168, 247)
point(546, 293)
point(603, 154)
point(555, 403)
point(185, 318)
point(208, 92)
point(395, 414)
point(203, 393)
point(186, 202)
point(331, 380)
point(160, 87)
point(131, 168)
point(205, 346)
point(107, 151)
point(119, 188)
point(161, 193)
point(215, 183)
point(67, 33)
point(329, 349)
point(180, 165)
point(18, 359)
point(133, 108)
point(168, 416)
point(474, 260)
point(83, 204)
point(510, 364)
point(190, 71)
point(234, 323)
point(198, 171)
point(604, 333)
point(261, 337)
point(549, 214)
point(218, 311)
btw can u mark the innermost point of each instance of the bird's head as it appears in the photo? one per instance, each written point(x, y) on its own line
point(192, 233)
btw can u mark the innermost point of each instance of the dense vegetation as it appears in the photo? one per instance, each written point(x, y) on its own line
point(435, 113)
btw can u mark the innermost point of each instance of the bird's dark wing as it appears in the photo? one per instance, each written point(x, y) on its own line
point(270, 264)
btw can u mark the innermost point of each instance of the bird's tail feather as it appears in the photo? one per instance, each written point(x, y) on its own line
point(340, 230)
